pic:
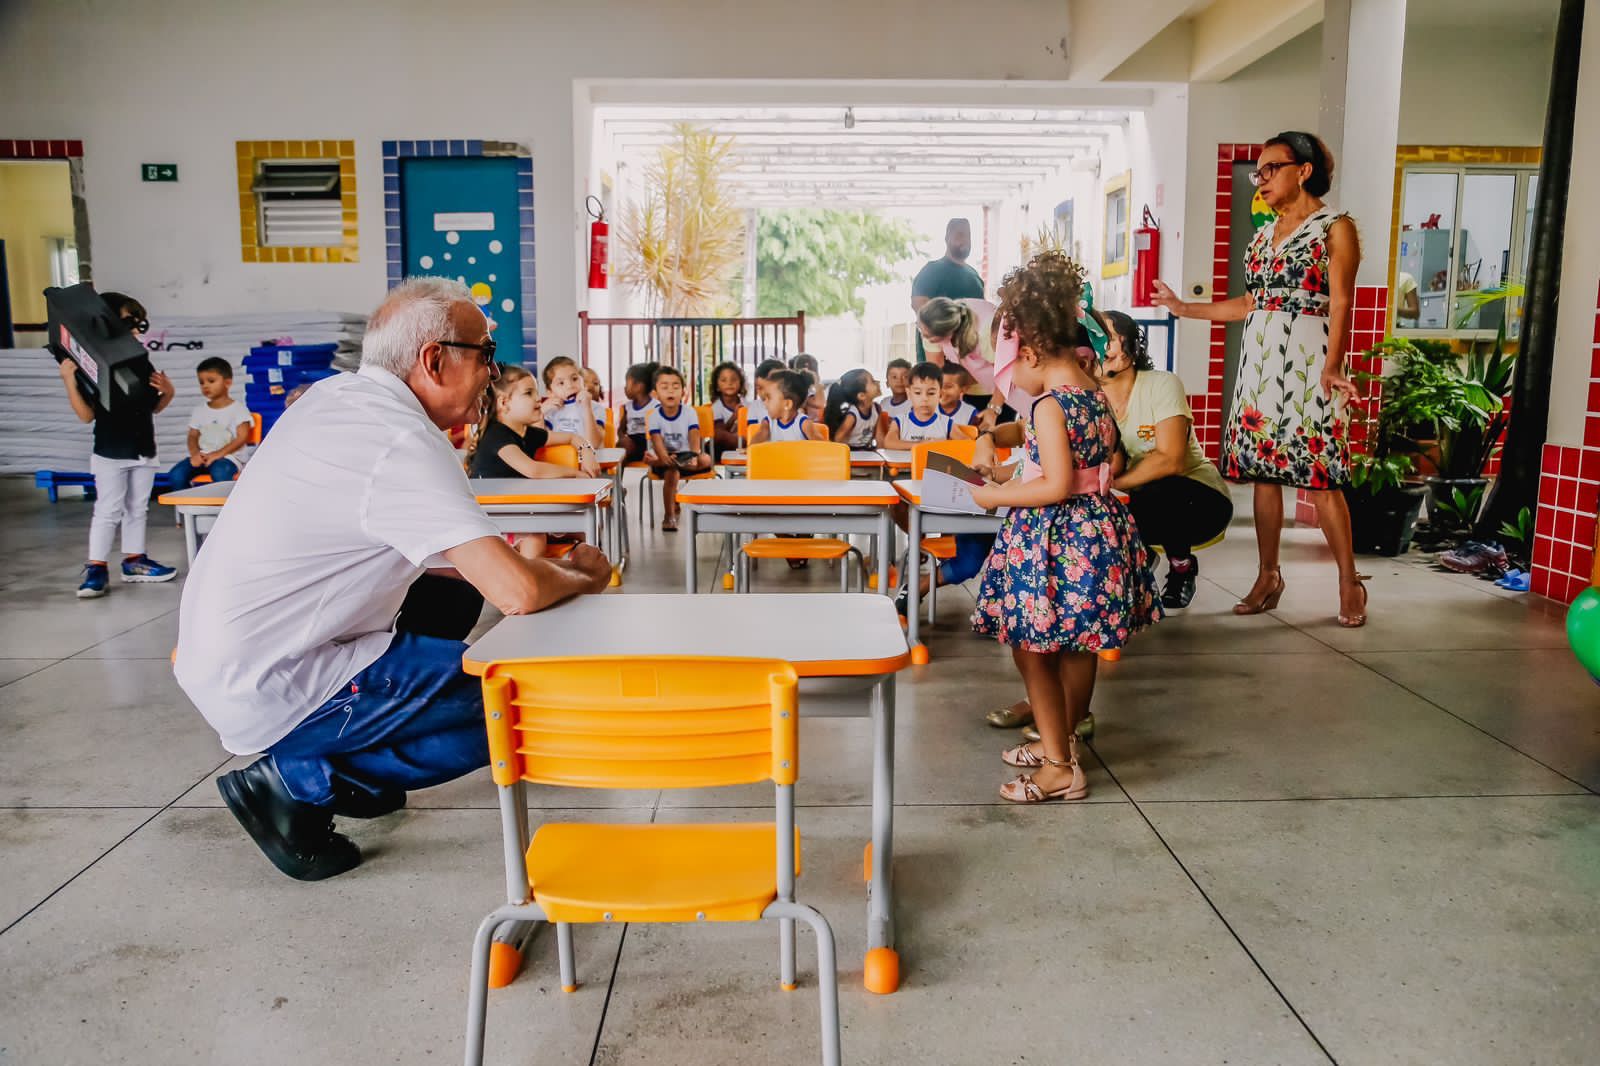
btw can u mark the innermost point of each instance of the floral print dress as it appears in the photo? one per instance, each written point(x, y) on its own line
point(1074, 575)
point(1282, 428)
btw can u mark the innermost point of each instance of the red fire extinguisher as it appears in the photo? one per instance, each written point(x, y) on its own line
point(1147, 260)
point(599, 238)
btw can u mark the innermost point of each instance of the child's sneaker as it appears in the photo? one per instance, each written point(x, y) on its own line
point(141, 569)
point(1474, 557)
point(95, 578)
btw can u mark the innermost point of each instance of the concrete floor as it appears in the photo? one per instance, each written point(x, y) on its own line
point(1304, 844)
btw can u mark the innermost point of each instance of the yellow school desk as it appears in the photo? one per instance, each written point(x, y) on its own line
point(756, 506)
point(921, 524)
point(838, 644)
point(861, 461)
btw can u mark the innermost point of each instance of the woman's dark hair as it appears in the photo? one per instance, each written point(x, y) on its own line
point(1039, 303)
point(1132, 337)
point(716, 372)
point(1308, 148)
point(844, 398)
point(793, 385)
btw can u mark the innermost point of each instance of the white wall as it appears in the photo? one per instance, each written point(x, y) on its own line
point(181, 80)
point(1580, 262)
point(1466, 85)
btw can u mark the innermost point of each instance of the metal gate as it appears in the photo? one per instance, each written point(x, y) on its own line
point(693, 346)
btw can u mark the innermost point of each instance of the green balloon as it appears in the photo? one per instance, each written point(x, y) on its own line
point(1583, 630)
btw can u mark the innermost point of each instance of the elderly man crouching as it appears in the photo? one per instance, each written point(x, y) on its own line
point(288, 640)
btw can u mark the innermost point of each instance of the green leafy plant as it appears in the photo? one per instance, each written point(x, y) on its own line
point(817, 259)
point(1519, 532)
point(1470, 303)
point(1456, 401)
point(1375, 474)
point(1460, 509)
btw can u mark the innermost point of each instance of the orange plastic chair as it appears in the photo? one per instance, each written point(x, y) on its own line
point(798, 460)
point(658, 723)
point(968, 432)
point(255, 438)
point(608, 432)
point(562, 455)
point(936, 548)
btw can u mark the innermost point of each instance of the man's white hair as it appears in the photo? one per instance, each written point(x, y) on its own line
point(416, 312)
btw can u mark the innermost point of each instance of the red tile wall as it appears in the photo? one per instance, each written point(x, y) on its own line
point(40, 149)
point(1569, 495)
point(1208, 407)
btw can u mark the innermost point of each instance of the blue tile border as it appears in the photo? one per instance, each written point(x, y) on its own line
point(394, 151)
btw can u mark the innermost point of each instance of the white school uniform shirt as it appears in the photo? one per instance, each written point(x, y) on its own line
point(636, 420)
point(755, 412)
point(721, 412)
point(795, 430)
point(674, 431)
point(864, 432)
point(940, 427)
point(894, 410)
point(299, 583)
point(217, 426)
point(964, 415)
point(568, 418)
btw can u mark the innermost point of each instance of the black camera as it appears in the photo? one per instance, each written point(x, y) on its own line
point(111, 361)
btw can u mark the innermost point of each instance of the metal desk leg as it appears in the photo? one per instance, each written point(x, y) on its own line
point(885, 551)
point(691, 579)
point(882, 967)
point(511, 941)
point(919, 651)
point(191, 541)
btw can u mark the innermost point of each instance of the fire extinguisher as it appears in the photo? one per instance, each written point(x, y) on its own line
point(599, 238)
point(1147, 260)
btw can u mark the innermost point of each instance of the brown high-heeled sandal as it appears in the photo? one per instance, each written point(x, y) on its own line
point(1269, 602)
point(1022, 788)
point(1356, 621)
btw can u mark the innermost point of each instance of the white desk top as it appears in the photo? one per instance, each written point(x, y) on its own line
point(212, 495)
point(515, 490)
point(609, 456)
point(857, 458)
point(895, 458)
point(763, 492)
point(837, 635)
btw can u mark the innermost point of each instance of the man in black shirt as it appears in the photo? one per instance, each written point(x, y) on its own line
point(950, 276)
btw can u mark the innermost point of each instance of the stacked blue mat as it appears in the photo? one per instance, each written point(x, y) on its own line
point(277, 369)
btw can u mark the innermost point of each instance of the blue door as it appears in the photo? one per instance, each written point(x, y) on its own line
point(459, 219)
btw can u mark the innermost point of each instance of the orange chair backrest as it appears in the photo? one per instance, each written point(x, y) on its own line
point(960, 450)
point(707, 423)
point(740, 426)
point(255, 428)
point(559, 455)
point(608, 432)
point(800, 460)
point(968, 432)
point(662, 722)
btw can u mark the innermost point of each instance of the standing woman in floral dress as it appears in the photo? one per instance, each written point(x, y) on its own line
point(1288, 426)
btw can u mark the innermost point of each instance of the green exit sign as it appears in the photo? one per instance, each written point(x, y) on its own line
point(159, 171)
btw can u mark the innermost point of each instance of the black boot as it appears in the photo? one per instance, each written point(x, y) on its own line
point(1180, 582)
point(297, 837)
point(353, 801)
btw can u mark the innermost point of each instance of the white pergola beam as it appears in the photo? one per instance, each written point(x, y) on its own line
point(1231, 34)
point(1103, 34)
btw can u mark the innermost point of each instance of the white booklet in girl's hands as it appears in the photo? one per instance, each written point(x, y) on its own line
point(948, 493)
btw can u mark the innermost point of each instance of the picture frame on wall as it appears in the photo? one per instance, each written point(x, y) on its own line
point(1115, 250)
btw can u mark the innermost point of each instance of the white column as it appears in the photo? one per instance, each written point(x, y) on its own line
point(1366, 109)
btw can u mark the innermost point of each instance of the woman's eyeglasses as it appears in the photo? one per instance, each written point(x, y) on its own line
point(1266, 172)
point(485, 350)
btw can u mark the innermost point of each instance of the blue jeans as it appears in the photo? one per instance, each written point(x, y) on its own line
point(185, 472)
point(972, 551)
point(410, 720)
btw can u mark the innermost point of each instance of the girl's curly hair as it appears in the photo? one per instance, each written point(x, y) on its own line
point(1039, 303)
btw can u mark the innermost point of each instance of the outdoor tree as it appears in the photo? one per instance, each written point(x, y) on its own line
point(817, 259)
point(682, 242)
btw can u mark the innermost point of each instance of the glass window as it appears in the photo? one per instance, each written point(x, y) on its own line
point(1114, 253)
point(1483, 259)
point(1531, 183)
point(1422, 258)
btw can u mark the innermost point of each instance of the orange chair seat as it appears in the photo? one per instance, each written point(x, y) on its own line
point(797, 548)
point(940, 547)
point(558, 551)
point(200, 479)
point(654, 873)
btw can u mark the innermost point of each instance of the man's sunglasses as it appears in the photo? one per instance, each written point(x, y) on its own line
point(485, 350)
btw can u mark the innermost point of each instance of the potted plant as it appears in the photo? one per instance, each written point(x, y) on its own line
point(1452, 409)
point(1383, 504)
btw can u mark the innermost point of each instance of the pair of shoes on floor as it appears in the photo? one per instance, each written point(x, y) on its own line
point(1474, 557)
point(1085, 730)
point(1514, 580)
point(136, 570)
point(298, 837)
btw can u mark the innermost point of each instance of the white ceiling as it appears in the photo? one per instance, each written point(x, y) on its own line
point(889, 157)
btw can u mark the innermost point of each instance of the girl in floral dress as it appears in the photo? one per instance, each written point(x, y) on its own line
point(1288, 426)
point(1068, 575)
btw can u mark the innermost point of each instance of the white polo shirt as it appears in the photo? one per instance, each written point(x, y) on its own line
point(296, 589)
